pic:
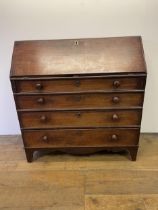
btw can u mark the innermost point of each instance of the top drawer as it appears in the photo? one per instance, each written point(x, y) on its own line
point(79, 84)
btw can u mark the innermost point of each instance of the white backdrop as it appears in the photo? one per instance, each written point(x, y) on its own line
point(53, 19)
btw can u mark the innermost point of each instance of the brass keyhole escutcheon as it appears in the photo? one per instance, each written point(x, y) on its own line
point(78, 114)
point(77, 98)
point(77, 83)
point(76, 43)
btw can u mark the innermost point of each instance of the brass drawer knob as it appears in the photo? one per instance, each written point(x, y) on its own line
point(39, 86)
point(115, 117)
point(43, 118)
point(45, 138)
point(114, 137)
point(116, 99)
point(77, 83)
point(116, 83)
point(40, 100)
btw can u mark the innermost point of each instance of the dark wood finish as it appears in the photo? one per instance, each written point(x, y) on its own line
point(80, 100)
point(29, 154)
point(80, 118)
point(81, 84)
point(79, 96)
point(81, 137)
point(132, 151)
point(58, 57)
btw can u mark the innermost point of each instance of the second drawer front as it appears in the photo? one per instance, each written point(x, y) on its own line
point(80, 118)
point(81, 137)
point(73, 101)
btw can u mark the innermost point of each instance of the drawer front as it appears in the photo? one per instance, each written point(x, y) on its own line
point(81, 137)
point(80, 118)
point(73, 85)
point(74, 101)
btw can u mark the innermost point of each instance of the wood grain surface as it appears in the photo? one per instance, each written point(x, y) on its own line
point(77, 56)
point(65, 182)
point(99, 137)
point(80, 83)
point(88, 118)
point(80, 100)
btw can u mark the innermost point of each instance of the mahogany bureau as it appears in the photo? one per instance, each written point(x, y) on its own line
point(79, 95)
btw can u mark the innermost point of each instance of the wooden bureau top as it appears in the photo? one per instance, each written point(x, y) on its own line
point(78, 56)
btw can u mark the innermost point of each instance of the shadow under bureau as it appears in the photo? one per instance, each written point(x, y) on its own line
point(79, 95)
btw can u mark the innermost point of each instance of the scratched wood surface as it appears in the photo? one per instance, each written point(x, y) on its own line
point(78, 56)
point(65, 182)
